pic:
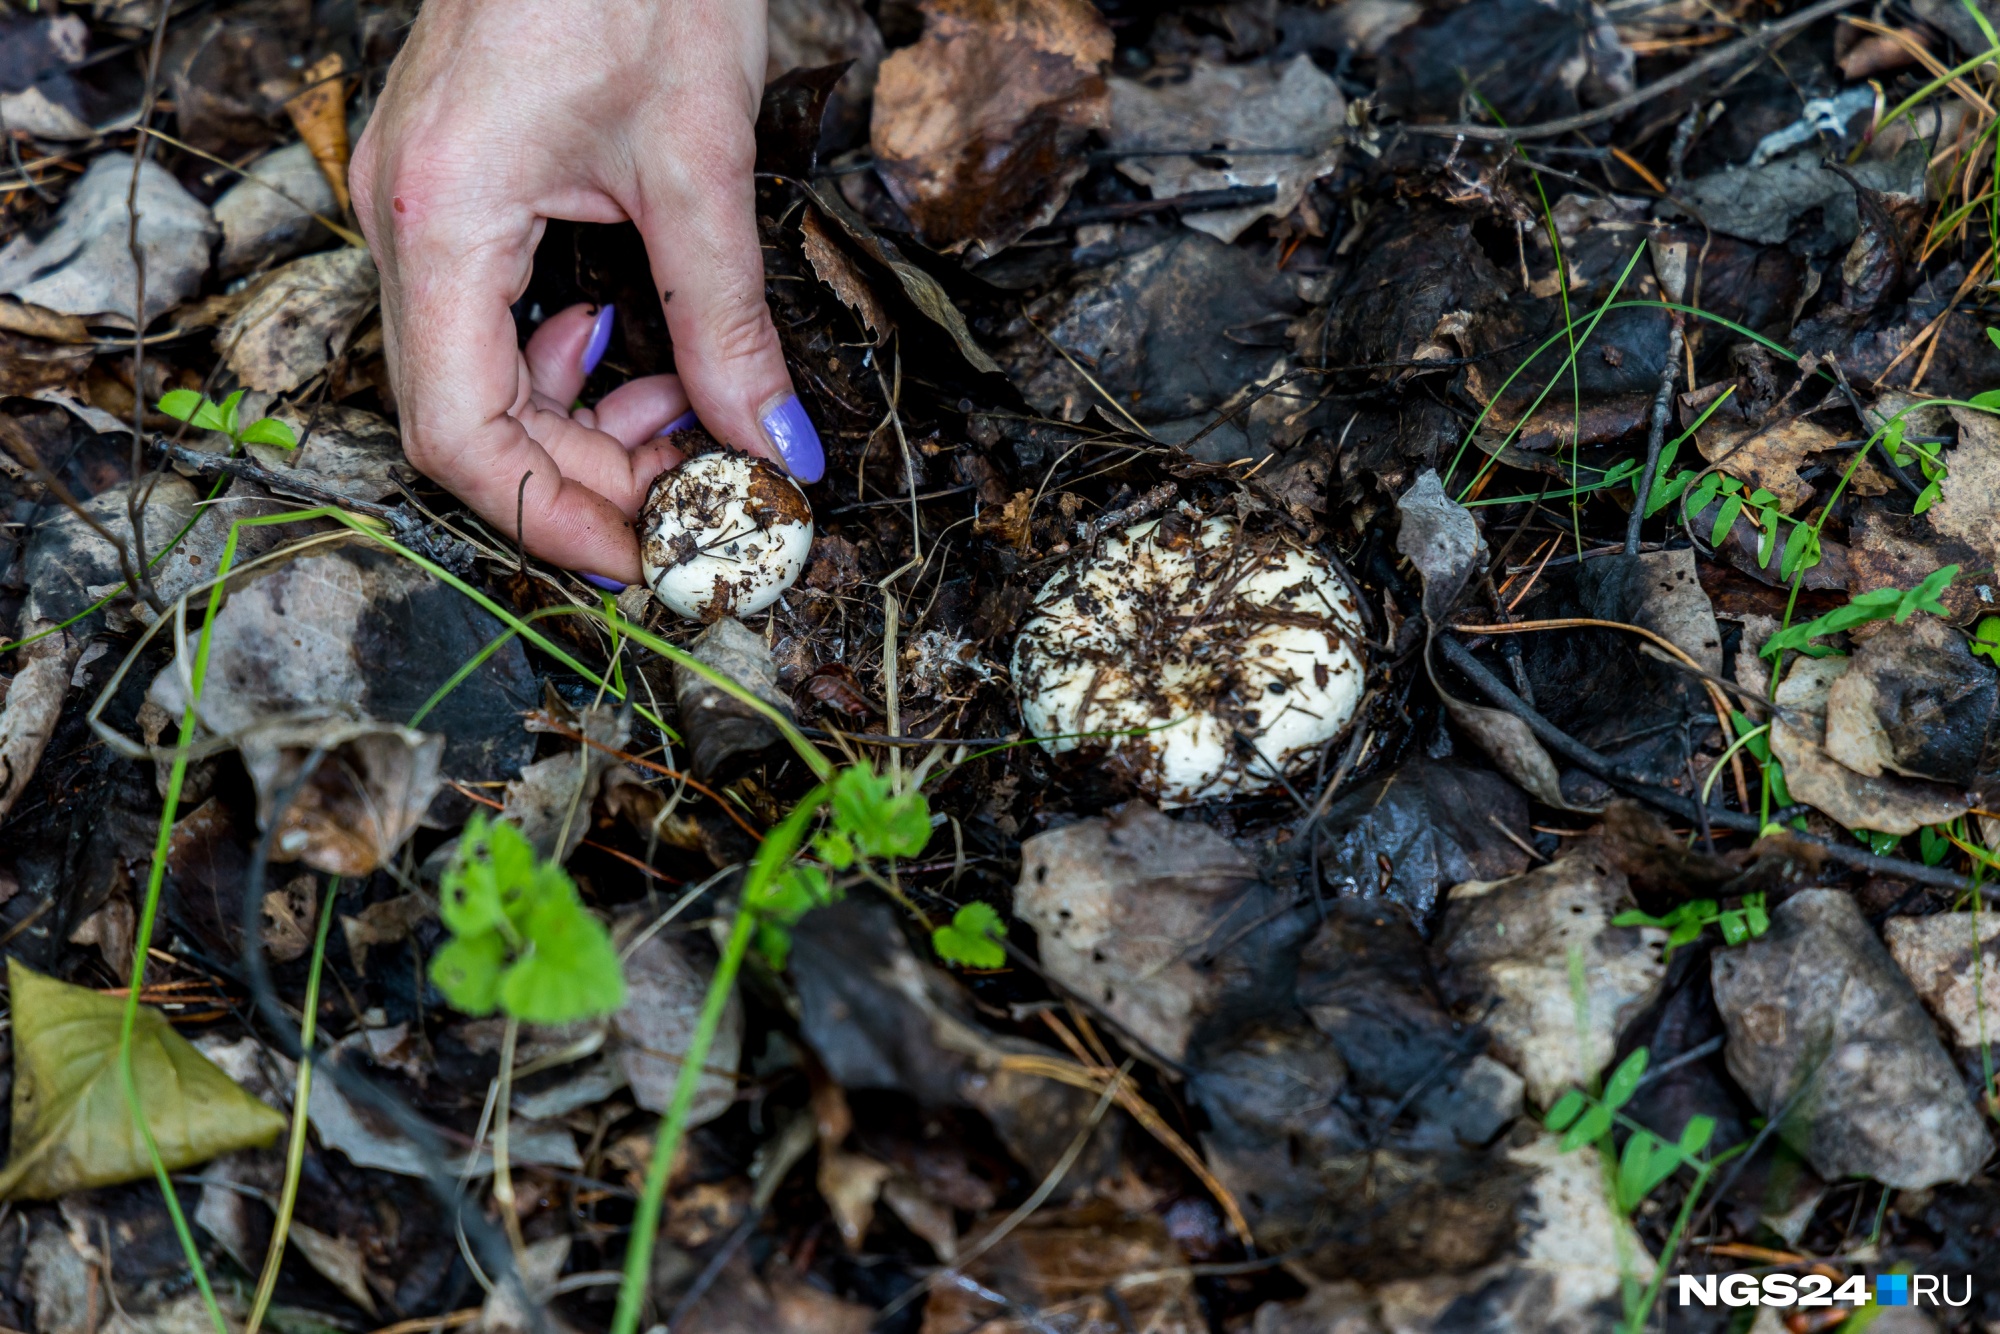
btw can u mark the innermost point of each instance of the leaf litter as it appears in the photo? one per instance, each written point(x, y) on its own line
point(1635, 926)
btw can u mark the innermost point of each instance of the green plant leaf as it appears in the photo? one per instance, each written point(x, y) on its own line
point(973, 938)
point(1735, 928)
point(1989, 399)
point(229, 408)
point(482, 887)
point(1933, 845)
point(270, 431)
point(522, 939)
point(467, 970)
point(1754, 914)
point(1724, 518)
point(72, 1126)
point(181, 404)
point(1589, 1127)
point(569, 971)
point(1624, 1081)
point(1986, 638)
point(1924, 597)
point(1568, 1107)
point(1645, 1163)
point(881, 821)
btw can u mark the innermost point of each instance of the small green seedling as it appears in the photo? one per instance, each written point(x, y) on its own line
point(1879, 604)
point(973, 938)
point(871, 821)
point(1685, 923)
point(194, 409)
point(522, 941)
point(1647, 1160)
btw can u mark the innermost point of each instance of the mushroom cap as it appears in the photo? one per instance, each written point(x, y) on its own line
point(723, 535)
point(1239, 655)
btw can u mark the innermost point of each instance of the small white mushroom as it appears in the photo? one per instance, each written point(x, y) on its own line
point(1240, 656)
point(723, 535)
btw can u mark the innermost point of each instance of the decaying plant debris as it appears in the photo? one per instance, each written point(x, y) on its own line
point(1611, 391)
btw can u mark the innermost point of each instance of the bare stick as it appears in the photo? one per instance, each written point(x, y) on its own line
point(136, 572)
point(1737, 51)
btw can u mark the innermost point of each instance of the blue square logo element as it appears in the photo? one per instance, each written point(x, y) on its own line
point(1892, 1289)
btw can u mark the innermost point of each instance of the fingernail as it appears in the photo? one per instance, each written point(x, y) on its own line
point(791, 433)
point(599, 581)
point(600, 339)
point(686, 421)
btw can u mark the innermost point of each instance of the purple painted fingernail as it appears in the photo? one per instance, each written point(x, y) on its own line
point(600, 339)
point(686, 421)
point(791, 433)
point(599, 581)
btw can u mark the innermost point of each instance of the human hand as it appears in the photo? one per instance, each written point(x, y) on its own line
point(501, 114)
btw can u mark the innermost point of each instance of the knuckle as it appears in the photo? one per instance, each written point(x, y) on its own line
point(740, 328)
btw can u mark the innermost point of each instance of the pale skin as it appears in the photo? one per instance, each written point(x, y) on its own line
point(501, 114)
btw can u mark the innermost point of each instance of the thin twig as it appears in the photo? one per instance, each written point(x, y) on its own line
point(139, 575)
point(1739, 50)
point(1668, 800)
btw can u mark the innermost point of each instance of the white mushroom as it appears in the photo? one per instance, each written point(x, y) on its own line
point(723, 535)
point(1240, 656)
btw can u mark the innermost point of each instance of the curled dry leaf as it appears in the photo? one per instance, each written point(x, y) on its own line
point(977, 128)
point(319, 113)
point(839, 272)
point(365, 796)
point(72, 1127)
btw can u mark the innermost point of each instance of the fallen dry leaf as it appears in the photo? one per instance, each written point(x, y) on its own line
point(1887, 804)
point(319, 113)
point(832, 266)
point(1769, 457)
point(1063, 1265)
point(1220, 107)
point(1968, 503)
point(84, 267)
point(72, 1127)
point(338, 1261)
point(977, 127)
point(300, 319)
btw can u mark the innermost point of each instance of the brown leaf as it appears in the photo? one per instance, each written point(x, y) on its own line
point(838, 272)
point(1769, 457)
point(38, 322)
point(1888, 804)
point(28, 364)
point(1898, 551)
point(1007, 523)
point(977, 128)
point(1064, 1264)
point(301, 318)
point(320, 115)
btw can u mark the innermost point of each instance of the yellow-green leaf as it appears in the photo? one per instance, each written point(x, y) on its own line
point(72, 1127)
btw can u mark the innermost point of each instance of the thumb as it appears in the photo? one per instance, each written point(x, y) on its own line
point(705, 255)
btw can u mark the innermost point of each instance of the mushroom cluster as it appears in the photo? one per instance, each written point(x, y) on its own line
point(723, 535)
point(1207, 661)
